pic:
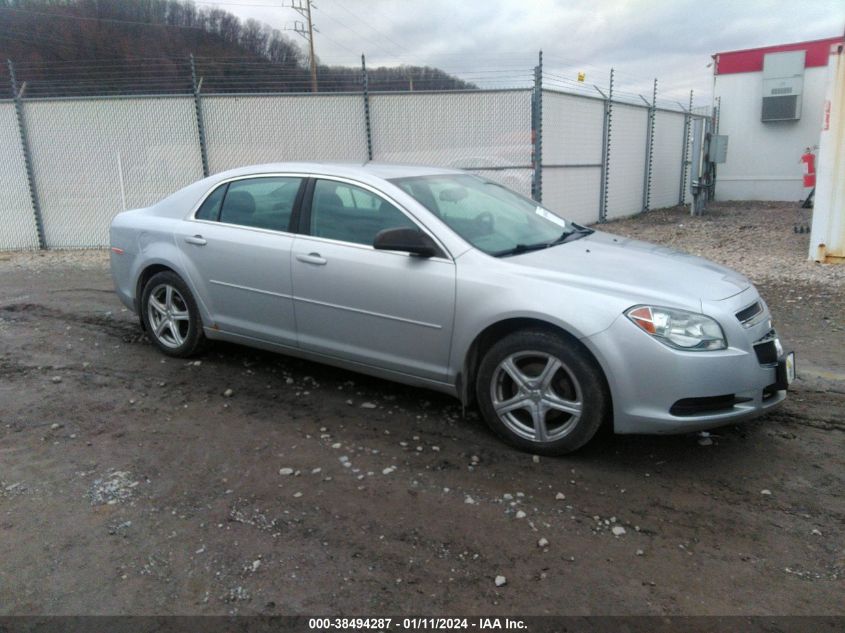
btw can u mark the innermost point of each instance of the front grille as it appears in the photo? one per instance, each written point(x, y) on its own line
point(748, 316)
point(767, 349)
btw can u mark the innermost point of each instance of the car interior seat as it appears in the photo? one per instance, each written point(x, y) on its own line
point(238, 208)
point(328, 218)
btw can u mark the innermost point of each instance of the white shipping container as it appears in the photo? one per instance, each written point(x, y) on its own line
point(827, 237)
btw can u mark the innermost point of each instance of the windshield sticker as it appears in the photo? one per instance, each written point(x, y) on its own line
point(550, 216)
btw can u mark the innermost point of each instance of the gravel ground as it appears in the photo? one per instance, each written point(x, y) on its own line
point(131, 483)
point(757, 239)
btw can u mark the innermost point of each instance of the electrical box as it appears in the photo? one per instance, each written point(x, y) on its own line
point(718, 148)
point(783, 85)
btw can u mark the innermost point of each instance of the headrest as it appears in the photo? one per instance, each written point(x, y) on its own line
point(328, 199)
point(240, 202)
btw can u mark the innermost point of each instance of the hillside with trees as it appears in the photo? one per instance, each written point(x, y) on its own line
point(87, 47)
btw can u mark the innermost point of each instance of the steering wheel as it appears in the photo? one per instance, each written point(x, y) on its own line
point(485, 221)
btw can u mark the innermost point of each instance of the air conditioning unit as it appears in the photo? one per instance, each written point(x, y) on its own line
point(783, 84)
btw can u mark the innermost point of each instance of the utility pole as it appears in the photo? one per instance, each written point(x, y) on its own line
point(306, 30)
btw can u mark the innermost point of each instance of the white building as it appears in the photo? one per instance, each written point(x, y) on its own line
point(771, 105)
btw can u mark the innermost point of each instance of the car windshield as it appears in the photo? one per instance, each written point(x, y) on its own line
point(487, 215)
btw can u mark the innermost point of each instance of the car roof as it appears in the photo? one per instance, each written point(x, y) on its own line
point(358, 171)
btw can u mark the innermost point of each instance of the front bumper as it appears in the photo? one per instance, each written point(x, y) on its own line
point(648, 381)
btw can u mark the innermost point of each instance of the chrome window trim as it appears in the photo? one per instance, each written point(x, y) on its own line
point(191, 216)
point(367, 247)
point(246, 228)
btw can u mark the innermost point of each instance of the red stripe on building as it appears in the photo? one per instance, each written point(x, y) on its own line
point(751, 60)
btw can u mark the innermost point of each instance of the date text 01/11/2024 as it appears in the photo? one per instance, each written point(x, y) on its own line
point(435, 624)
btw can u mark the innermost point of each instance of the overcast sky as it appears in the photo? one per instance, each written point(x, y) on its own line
point(486, 39)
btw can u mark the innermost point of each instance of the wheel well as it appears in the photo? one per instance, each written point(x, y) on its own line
point(495, 332)
point(143, 278)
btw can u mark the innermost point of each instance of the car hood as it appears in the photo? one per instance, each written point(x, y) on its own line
point(636, 266)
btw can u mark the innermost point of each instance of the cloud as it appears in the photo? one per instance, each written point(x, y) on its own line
point(499, 39)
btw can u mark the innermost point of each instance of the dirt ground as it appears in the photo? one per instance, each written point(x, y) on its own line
point(130, 484)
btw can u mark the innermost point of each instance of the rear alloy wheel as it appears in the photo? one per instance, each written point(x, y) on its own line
point(541, 392)
point(170, 315)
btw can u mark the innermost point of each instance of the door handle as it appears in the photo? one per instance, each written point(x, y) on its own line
point(198, 240)
point(312, 258)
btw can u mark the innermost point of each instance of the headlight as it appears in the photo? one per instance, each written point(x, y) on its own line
point(678, 328)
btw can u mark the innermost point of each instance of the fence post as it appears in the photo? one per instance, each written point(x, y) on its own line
point(197, 86)
point(605, 152)
point(685, 152)
point(537, 131)
point(27, 157)
point(649, 149)
point(365, 79)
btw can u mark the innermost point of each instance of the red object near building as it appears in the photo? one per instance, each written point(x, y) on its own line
point(808, 159)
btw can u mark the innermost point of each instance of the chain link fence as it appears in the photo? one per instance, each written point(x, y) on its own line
point(485, 132)
point(572, 155)
point(668, 146)
point(248, 130)
point(93, 157)
point(19, 231)
point(69, 164)
point(628, 161)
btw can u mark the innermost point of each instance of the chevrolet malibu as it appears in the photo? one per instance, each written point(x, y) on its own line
point(440, 279)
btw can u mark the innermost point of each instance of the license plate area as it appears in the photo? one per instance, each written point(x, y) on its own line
point(786, 371)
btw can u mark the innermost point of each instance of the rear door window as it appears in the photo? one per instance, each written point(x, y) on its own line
point(262, 203)
point(210, 208)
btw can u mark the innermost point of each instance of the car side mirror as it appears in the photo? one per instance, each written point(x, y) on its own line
point(405, 240)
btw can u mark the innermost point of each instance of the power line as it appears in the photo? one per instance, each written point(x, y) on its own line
point(65, 16)
point(34, 38)
point(336, 43)
point(236, 4)
point(349, 28)
point(372, 9)
point(387, 37)
point(370, 26)
point(308, 33)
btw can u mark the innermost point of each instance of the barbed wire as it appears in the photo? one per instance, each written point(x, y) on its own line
point(244, 75)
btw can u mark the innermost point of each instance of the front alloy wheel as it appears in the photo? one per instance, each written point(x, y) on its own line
point(536, 396)
point(542, 392)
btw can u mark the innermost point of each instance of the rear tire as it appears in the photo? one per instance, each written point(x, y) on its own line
point(171, 316)
point(541, 392)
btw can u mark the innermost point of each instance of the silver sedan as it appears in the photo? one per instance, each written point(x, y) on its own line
point(441, 279)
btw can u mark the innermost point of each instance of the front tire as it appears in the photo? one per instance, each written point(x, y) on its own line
point(171, 316)
point(541, 392)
